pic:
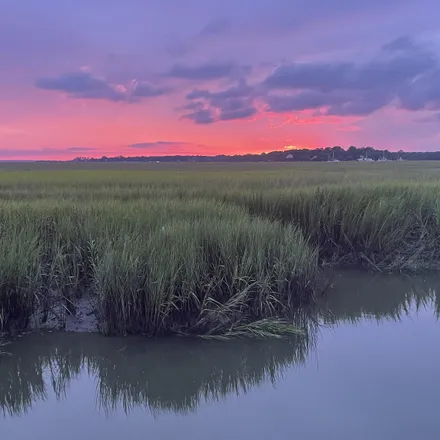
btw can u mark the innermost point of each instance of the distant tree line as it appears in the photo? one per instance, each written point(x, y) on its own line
point(319, 155)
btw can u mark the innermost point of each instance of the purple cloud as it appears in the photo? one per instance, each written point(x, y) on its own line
point(395, 64)
point(145, 90)
point(423, 92)
point(83, 85)
point(202, 116)
point(239, 91)
point(208, 71)
point(402, 71)
point(239, 113)
point(236, 102)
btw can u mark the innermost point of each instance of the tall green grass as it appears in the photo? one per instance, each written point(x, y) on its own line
point(201, 276)
point(156, 268)
point(204, 249)
point(392, 226)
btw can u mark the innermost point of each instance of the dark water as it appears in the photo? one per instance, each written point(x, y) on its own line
point(370, 372)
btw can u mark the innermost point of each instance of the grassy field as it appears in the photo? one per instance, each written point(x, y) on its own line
point(204, 248)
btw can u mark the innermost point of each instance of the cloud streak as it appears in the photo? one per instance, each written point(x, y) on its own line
point(161, 147)
point(7, 153)
point(158, 144)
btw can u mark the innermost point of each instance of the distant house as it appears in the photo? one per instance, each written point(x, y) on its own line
point(365, 158)
point(289, 156)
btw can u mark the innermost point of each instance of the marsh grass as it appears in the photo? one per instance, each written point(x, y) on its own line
point(204, 249)
point(201, 276)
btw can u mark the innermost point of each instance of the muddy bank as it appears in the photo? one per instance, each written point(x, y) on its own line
point(78, 315)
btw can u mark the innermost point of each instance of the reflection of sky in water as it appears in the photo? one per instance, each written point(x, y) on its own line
point(368, 380)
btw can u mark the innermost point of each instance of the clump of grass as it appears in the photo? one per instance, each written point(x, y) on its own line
point(268, 328)
point(201, 277)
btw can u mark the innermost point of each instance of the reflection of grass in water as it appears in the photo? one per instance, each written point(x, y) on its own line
point(380, 298)
point(23, 377)
point(173, 375)
point(21, 387)
point(181, 381)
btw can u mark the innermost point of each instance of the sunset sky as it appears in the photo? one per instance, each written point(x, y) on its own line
point(150, 77)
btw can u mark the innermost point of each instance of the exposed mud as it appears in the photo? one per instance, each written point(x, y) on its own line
point(78, 315)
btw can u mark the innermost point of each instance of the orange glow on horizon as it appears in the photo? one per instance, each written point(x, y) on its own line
point(65, 129)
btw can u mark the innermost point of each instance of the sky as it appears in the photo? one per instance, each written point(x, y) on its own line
point(150, 77)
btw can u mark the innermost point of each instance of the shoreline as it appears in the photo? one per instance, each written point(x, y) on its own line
point(83, 316)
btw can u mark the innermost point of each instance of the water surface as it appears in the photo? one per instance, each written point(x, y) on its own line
point(370, 372)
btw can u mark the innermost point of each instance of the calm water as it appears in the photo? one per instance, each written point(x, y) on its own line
point(370, 372)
